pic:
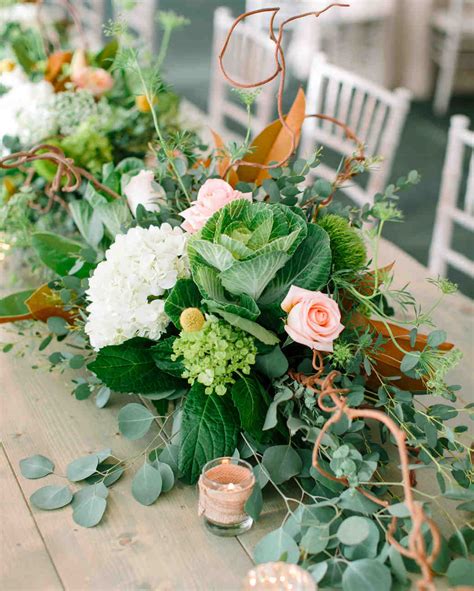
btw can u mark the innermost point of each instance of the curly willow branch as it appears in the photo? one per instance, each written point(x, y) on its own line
point(68, 177)
point(347, 170)
point(326, 392)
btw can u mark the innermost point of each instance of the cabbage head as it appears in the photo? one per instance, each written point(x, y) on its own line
point(247, 256)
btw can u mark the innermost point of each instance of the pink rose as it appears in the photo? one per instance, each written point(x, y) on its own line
point(96, 80)
point(212, 196)
point(313, 319)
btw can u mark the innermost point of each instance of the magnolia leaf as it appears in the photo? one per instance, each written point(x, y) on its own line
point(13, 307)
point(51, 497)
point(59, 254)
point(277, 546)
point(89, 505)
point(36, 467)
point(282, 463)
point(209, 430)
point(224, 160)
point(147, 484)
point(134, 420)
point(82, 468)
point(274, 143)
point(366, 574)
point(308, 268)
point(184, 294)
point(250, 399)
point(44, 303)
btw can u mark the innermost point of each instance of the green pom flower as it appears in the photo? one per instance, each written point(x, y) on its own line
point(88, 148)
point(347, 246)
point(212, 355)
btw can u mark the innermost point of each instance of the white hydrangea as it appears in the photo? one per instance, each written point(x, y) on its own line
point(125, 289)
point(26, 110)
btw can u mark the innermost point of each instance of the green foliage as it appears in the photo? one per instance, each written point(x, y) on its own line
point(88, 148)
point(49, 498)
point(134, 420)
point(89, 505)
point(130, 368)
point(184, 295)
point(347, 246)
point(60, 254)
point(14, 304)
point(276, 546)
point(214, 355)
point(36, 467)
point(209, 430)
point(147, 484)
point(251, 401)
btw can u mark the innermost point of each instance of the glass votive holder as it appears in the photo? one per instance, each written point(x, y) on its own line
point(224, 487)
point(278, 576)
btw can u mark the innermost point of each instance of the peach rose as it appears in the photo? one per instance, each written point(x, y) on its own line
point(212, 196)
point(313, 319)
point(96, 80)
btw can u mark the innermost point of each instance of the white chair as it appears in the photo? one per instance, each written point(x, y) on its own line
point(374, 114)
point(452, 27)
point(250, 57)
point(362, 31)
point(452, 209)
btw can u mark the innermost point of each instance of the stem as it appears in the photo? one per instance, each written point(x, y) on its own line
point(163, 48)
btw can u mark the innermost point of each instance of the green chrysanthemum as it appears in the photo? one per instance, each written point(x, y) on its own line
point(212, 355)
point(347, 246)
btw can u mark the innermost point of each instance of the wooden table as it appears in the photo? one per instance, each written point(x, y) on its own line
point(163, 547)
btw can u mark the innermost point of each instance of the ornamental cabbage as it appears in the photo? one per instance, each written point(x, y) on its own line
point(247, 256)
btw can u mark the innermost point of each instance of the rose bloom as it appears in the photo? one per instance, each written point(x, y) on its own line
point(313, 319)
point(96, 80)
point(141, 189)
point(212, 196)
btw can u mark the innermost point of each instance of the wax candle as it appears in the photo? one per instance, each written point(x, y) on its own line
point(278, 576)
point(224, 487)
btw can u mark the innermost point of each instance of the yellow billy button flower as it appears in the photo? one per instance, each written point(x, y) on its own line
point(6, 65)
point(192, 319)
point(143, 104)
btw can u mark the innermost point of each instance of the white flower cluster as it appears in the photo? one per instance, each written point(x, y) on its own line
point(26, 110)
point(125, 289)
point(74, 107)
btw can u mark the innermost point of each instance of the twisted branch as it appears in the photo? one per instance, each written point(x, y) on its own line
point(326, 392)
point(347, 170)
point(68, 177)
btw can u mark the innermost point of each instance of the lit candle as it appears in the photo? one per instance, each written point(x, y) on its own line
point(278, 576)
point(224, 487)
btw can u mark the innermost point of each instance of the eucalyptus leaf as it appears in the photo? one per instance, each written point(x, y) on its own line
point(89, 505)
point(353, 530)
point(82, 468)
point(254, 503)
point(51, 497)
point(147, 484)
point(275, 547)
point(366, 574)
point(461, 572)
point(134, 420)
point(36, 467)
point(282, 463)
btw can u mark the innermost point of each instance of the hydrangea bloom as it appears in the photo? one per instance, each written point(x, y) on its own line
point(26, 111)
point(125, 289)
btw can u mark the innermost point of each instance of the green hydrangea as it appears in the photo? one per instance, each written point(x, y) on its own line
point(88, 148)
point(347, 246)
point(212, 355)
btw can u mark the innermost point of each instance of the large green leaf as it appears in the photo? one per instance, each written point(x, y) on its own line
point(308, 268)
point(87, 221)
point(251, 401)
point(252, 276)
point(162, 353)
point(130, 368)
point(214, 255)
point(209, 430)
point(185, 294)
point(58, 253)
point(14, 304)
point(115, 215)
point(260, 333)
point(282, 463)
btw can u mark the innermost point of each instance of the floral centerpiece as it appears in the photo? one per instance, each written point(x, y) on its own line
point(239, 301)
